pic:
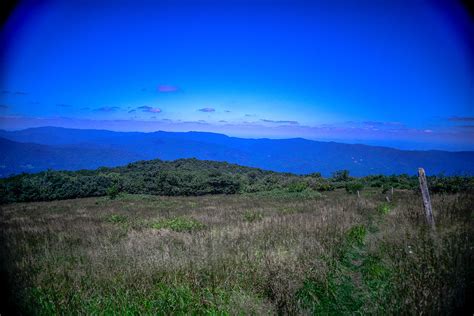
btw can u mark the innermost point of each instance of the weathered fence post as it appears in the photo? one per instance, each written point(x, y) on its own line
point(426, 197)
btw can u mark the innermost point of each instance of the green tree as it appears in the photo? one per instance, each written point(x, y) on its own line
point(113, 191)
point(341, 175)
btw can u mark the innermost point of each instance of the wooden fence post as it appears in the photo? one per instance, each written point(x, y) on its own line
point(426, 197)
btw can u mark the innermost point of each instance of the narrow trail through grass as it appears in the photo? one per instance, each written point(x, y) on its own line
point(358, 282)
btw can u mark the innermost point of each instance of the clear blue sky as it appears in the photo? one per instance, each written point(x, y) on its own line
point(397, 73)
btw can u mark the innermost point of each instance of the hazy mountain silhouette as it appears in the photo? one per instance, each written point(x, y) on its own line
point(36, 149)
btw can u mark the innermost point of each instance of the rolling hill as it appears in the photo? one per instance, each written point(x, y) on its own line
point(16, 157)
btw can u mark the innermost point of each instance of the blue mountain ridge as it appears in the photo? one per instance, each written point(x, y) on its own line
point(36, 149)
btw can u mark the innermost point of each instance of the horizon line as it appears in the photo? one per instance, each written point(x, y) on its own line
point(337, 141)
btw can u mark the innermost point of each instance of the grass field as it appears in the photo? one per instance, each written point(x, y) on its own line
point(263, 253)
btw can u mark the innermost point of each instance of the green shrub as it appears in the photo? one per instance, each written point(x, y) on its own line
point(297, 187)
point(113, 192)
point(252, 216)
point(116, 218)
point(356, 235)
point(325, 187)
point(455, 184)
point(384, 208)
point(353, 187)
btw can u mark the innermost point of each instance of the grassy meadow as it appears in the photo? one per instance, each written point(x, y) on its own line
point(254, 253)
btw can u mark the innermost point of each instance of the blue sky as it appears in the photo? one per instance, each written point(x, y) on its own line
point(397, 73)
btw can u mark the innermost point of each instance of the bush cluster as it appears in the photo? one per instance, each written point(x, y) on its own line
point(192, 177)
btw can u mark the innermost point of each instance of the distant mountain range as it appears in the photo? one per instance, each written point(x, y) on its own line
point(36, 149)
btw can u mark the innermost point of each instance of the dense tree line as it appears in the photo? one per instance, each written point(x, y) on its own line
point(199, 177)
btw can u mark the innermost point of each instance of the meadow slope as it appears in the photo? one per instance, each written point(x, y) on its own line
point(256, 253)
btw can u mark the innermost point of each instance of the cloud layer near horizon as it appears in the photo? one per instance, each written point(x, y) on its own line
point(149, 109)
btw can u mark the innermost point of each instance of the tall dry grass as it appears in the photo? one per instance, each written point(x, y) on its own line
point(239, 254)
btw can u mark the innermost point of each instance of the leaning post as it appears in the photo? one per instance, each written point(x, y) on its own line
point(426, 197)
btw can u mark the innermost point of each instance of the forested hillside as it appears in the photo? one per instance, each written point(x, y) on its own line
point(187, 177)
